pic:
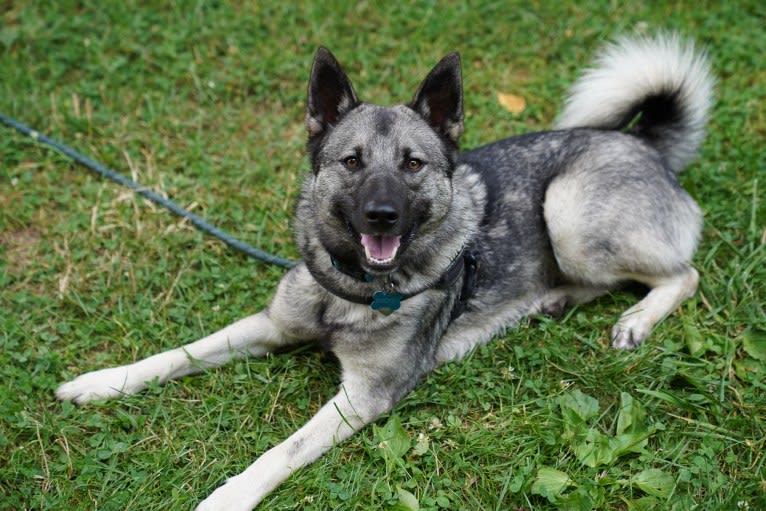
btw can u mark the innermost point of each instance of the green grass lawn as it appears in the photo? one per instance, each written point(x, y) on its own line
point(203, 101)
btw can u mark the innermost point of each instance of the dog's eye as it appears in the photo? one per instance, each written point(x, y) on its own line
point(413, 164)
point(351, 163)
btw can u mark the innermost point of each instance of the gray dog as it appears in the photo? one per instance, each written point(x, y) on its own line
point(414, 253)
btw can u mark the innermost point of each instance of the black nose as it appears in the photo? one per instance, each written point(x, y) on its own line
point(381, 214)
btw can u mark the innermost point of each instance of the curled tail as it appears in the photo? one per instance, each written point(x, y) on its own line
point(659, 89)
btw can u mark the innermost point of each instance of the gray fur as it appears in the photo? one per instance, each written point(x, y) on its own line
point(555, 218)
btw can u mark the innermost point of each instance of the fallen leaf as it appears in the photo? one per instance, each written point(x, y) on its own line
point(511, 102)
point(655, 482)
point(407, 501)
point(550, 483)
point(754, 344)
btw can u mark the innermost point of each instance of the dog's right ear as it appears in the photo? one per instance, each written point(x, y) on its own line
point(330, 94)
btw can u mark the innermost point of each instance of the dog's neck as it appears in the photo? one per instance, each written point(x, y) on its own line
point(352, 270)
point(465, 264)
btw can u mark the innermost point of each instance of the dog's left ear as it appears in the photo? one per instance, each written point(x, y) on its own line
point(330, 94)
point(440, 98)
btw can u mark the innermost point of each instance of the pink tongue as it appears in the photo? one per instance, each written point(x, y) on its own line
point(381, 247)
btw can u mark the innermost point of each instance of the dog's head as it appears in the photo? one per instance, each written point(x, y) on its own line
point(381, 175)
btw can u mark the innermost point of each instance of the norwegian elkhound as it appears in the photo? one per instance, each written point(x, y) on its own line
point(414, 253)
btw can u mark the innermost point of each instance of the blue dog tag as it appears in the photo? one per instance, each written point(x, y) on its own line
point(385, 302)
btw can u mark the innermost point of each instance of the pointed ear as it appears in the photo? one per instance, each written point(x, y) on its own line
point(440, 98)
point(330, 94)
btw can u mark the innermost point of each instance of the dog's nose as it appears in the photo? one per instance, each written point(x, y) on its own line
point(381, 214)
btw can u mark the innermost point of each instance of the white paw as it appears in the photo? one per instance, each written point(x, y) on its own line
point(630, 332)
point(103, 384)
point(237, 494)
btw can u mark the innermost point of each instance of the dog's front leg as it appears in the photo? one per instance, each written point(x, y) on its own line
point(354, 406)
point(255, 335)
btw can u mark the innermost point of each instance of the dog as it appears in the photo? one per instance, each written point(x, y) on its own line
point(414, 253)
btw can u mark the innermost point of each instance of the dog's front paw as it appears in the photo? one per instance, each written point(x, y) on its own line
point(630, 332)
point(235, 495)
point(103, 384)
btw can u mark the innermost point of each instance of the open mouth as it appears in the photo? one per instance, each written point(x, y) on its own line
point(379, 249)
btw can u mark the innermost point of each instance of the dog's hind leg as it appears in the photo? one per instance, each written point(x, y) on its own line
point(558, 299)
point(621, 221)
point(665, 296)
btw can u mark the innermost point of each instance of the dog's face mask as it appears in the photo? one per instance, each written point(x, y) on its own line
point(382, 176)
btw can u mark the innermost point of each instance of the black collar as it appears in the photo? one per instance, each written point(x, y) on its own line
point(465, 264)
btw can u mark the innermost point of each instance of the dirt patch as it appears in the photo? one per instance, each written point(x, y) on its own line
point(17, 248)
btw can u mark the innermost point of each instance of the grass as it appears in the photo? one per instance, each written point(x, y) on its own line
point(204, 101)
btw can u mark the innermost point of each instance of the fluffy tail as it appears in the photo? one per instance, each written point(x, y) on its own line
point(659, 89)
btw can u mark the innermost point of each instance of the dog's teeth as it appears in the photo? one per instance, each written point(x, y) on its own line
point(375, 260)
point(379, 245)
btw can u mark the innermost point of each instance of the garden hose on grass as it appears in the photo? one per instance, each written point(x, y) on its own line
point(197, 221)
